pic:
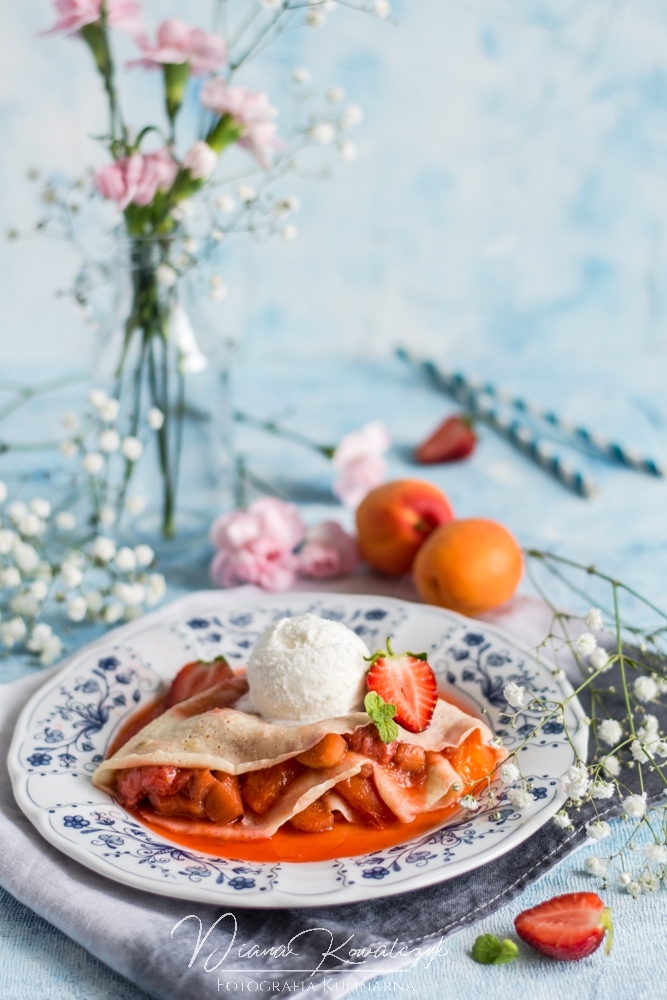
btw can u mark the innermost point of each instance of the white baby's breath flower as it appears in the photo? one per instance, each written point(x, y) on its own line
point(577, 781)
point(634, 806)
point(70, 420)
point(270, 4)
point(584, 722)
point(514, 695)
point(469, 802)
point(31, 526)
point(144, 555)
point(602, 790)
point(165, 275)
point(107, 516)
point(68, 449)
point(217, 234)
point(648, 731)
point(301, 75)
point(335, 94)
point(13, 631)
point(51, 650)
point(183, 210)
point(246, 192)
point(645, 688)
point(132, 612)
point(594, 620)
point(109, 440)
point(7, 540)
point(190, 246)
point(347, 150)
point(94, 600)
point(612, 765)
point(660, 748)
point(97, 398)
point(77, 608)
point(518, 797)
point(509, 772)
point(496, 741)
point(65, 521)
point(17, 511)
point(353, 115)
point(38, 589)
point(132, 448)
point(135, 505)
point(225, 203)
point(113, 612)
point(625, 878)
point(155, 418)
point(156, 589)
point(92, 463)
point(44, 572)
point(218, 291)
point(316, 18)
point(103, 549)
point(40, 507)
point(595, 866)
point(3, 491)
point(648, 882)
point(109, 411)
point(598, 830)
point(323, 134)
point(26, 557)
point(129, 593)
point(599, 658)
point(637, 752)
point(656, 854)
point(382, 9)
point(24, 605)
point(562, 820)
point(662, 684)
point(586, 644)
point(10, 578)
point(610, 732)
point(39, 636)
point(70, 575)
point(126, 560)
point(289, 232)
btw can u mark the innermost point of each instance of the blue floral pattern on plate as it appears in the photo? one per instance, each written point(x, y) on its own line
point(66, 727)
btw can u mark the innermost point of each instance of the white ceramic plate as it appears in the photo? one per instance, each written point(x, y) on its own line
point(65, 728)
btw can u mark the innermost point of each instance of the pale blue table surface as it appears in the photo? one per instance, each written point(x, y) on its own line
point(623, 531)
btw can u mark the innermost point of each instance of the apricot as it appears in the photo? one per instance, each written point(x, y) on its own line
point(469, 566)
point(394, 520)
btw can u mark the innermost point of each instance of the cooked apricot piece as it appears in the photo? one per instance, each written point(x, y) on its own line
point(315, 818)
point(199, 786)
point(262, 789)
point(327, 753)
point(410, 757)
point(472, 760)
point(362, 795)
point(223, 802)
point(177, 805)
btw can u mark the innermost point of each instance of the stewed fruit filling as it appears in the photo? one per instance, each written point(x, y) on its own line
point(223, 798)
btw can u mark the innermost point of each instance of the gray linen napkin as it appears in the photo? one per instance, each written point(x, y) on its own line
point(139, 935)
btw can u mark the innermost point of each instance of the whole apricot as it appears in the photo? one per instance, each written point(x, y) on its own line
point(469, 566)
point(394, 520)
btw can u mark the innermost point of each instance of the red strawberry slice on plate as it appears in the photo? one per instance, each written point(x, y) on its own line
point(196, 677)
point(406, 681)
point(567, 927)
point(451, 441)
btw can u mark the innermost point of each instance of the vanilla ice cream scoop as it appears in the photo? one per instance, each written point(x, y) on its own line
point(306, 668)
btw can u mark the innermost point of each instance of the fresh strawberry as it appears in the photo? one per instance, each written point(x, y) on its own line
point(451, 441)
point(567, 927)
point(407, 682)
point(196, 677)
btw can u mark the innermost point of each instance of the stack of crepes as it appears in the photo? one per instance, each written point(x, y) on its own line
point(205, 740)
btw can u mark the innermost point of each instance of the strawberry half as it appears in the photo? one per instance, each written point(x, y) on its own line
point(407, 682)
point(196, 677)
point(567, 927)
point(451, 441)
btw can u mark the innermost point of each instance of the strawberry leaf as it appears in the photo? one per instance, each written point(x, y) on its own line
point(489, 950)
point(382, 715)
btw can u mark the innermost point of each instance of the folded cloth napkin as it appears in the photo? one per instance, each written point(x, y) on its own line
point(162, 945)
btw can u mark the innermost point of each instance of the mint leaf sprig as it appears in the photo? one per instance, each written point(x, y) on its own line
point(382, 714)
point(490, 950)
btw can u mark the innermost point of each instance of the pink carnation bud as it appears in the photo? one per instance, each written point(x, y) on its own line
point(200, 160)
point(358, 459)
point(329, 551)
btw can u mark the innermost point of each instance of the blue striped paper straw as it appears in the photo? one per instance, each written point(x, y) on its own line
point(518, 434)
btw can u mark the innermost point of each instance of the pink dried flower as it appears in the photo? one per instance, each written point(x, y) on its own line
point(136, 178)
point(257, 545)
point(76, 14)
point(249, 109)
point(178, 43)
point(329, 551)
point(358, 459)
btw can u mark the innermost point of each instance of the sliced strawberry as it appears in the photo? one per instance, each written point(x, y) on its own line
point(407, 682)
point(566, 927)
point(196, 677)
point(451, 441)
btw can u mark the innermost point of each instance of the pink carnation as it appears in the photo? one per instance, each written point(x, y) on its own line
point(257, 545)
point(249, 109)
point(358, 459)
point(329, 551)
point(76, 14)
point(136, 178)
point(178, 43)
